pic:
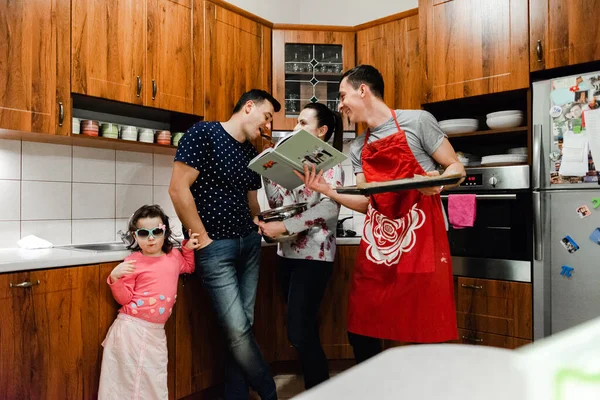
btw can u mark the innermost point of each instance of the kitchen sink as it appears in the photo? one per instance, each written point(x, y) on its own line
point(97, 247)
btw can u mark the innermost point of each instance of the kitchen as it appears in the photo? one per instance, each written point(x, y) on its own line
point(479, 57)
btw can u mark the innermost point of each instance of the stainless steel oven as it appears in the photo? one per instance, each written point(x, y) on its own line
point(498, 246)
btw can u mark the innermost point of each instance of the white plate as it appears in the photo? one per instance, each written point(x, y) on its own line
point(504, 158)
point(454, 130)
point(518, 150)
point(504, 113)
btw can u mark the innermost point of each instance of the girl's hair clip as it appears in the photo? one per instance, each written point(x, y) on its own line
point(162, 226)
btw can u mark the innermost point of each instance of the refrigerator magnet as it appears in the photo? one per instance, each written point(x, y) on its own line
point(596, 202)
point(569, 244)
point(583, 211)
point(566, 271)
point(595, 236)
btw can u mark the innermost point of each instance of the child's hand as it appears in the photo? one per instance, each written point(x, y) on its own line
point(193, 243)
point(125, 268)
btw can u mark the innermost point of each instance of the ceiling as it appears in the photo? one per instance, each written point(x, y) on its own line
point(324, 12)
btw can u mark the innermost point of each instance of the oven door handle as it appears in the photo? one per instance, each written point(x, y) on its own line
point(489, 196)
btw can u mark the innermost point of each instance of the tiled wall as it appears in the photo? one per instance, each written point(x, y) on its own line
point(69, 194)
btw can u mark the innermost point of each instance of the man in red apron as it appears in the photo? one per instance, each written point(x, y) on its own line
point(402, 286)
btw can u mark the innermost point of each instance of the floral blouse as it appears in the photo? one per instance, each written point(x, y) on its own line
point(316, 225)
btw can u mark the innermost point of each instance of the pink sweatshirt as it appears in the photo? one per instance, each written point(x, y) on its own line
point(150, 292)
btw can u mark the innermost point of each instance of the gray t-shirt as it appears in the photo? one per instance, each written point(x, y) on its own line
point(423, 134)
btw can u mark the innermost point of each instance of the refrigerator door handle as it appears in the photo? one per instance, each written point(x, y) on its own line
point(537, 227)
point(536, 168)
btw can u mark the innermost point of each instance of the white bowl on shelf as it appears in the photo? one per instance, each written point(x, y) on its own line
point(505, 121)
point(504, 113)
point(461, 125)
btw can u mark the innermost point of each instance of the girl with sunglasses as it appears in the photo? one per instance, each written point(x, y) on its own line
point(134, 361)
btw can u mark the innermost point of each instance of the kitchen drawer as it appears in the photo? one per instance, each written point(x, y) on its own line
point(499, 307)
point(489, 339)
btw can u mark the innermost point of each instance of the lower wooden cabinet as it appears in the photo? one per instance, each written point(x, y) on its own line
point(49, 334)
point(489, 339)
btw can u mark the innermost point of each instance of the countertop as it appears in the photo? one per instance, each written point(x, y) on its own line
point(16, 259)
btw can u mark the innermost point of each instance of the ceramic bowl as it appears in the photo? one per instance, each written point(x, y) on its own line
point(505, 121)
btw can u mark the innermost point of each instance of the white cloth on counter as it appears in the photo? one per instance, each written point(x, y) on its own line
point(575, 150)
point(34, 242)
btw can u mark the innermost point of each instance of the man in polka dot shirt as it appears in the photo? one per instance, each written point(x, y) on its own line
point(215, 195)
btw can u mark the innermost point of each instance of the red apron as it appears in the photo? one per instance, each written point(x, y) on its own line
point(402, 286)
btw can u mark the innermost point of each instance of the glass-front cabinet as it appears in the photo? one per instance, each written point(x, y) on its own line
point(307, 67)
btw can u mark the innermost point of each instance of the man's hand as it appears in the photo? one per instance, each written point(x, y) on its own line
point(314, 181)
point(272, 229)
point(125, 268)
point(430, 191)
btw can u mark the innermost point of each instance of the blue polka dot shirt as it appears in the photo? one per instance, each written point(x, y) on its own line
point(221, 189)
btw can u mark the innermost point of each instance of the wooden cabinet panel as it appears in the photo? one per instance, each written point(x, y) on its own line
point(49, 334)
point(491, 306)
point(565, 32)
point(236, 45)
point(473, 47)
point(169, 81)
point(200, 347)
point(108, 54)
point(488, 339)
point(34, 72)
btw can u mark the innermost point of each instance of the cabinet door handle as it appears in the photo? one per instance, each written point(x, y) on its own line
point(472, 339)
point(475, 287)
point(154, 89)
point(139, 86)
point(539, 51)
point(61, 113)
point(24, 285)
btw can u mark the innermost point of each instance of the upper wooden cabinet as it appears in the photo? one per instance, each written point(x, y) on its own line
point(473, 47)
point(393, 48)
point(239, 59)
point(34, 71)
point(134, 51)
point(563, 32)
point(307, 66)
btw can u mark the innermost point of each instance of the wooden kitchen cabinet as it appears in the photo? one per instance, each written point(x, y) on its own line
point(169, 81)
point(239, 59)
point(49, 334)
point(488, 339)
point(307, 66)
point(473, 47)
point(133, 51)
point(494, 307)
point(393, 48)
point(34, 72)
point(563, 32)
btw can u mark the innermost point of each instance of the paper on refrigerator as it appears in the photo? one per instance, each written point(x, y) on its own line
point(575, 150)
point(592, 127)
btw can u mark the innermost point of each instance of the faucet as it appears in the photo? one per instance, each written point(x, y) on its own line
point(340, 231)
point(125, 237)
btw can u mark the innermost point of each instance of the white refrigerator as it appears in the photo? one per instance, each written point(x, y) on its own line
point(566, 142)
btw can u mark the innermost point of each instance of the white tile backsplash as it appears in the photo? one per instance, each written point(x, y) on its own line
point(46, 162)
point(93, 165)
point(134, 168)
point(358, 223)
point(162, 198)
point(349, 177)
point(132, 197)
point(163, 167)
point(10, 233)
point(175, 224)
point(93, 230)
point(10, 159)
point(93, 200)
point(10, 200)
point(57, 232)
point(45, 200)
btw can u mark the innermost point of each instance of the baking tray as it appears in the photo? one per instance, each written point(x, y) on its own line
point(418, 182)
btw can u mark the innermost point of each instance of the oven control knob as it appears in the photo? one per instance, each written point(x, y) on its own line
point(493, 181)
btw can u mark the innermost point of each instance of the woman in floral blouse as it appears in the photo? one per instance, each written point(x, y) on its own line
point(306, 263)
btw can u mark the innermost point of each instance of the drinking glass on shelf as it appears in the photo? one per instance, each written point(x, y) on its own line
point(295, 65)
point(294, 102)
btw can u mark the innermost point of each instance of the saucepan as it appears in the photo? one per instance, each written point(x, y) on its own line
point(281, 214)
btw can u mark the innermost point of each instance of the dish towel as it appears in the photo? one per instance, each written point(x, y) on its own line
point(462, 210)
